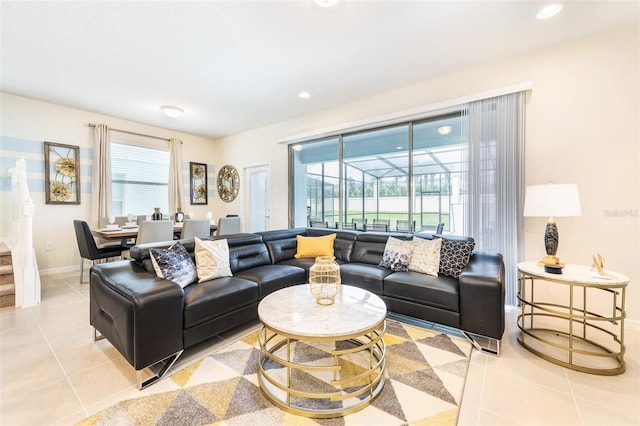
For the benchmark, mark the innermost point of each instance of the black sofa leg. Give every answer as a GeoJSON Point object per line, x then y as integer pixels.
{"type": "Point", "coordinates": [488, 348]}
{"type": "Point", "coordinates": [159, 369]}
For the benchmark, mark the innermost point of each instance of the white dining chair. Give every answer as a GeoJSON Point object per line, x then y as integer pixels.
{"type": "Point", "coordinates": [229, 225]}
{"type": "Point", "coordinates": [191, 228]}
{"type": "Point", "coordinates": [152, 231]}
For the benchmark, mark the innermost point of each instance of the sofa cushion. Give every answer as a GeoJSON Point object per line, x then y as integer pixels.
{"type": "Point", "coordinates": [174, 264]}
{"type": "Point", "coordinates": [314, 246]}
{"type": "Point", "coordinates": [396, 255]}
{"type": "Point", "coordinates": [425, 255]}
{"type": "Point", "coordinates": [212, 259]}
{"type": "Point", "coordinates": [368, 277]}
{"type": "Point", "coordinates": [213, 298]}
{"type": "Point", "coordinates": [274, 277]}
{"type": "Point", "coordinates": [281, 243]}
{"type": "Point", "coordinates": [248, 256]}
{"type": "Point", "coordinates": [440, 292]}
{"type": "Point", "coordinates": [454, 256]}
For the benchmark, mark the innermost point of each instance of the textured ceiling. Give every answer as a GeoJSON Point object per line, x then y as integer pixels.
{"type": "Point", "coordinates": [237, 65]}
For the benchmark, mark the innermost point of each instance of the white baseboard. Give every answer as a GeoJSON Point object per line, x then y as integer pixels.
{"type": "Point", "coordinates": [61, 270]}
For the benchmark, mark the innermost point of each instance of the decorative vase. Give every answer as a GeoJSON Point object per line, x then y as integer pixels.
{"type": "Point", "coordinates": [156, 214]}
{"type": "Point", "coordinates": [324, 280]}
{"type": "Point", "coordinates": [179, 216]}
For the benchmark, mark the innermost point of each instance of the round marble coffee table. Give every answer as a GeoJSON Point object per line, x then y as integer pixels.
{"type": "Point", "coordinates": [321, 360]}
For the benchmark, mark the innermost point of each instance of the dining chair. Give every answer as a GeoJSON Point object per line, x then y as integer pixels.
{"type": "Point", "coordinates": [436, 229]}
{"type": "Point", "coordinates": [360, 224]}
{"type": "Point", "coordinates": [378, 227]}
{"type": "Point", "coordinates": [152, 231]}
{"type": "Point", "coordinates": [402, 225]}
{"type": "Point", "coordinates": [191, 228]}
{"type": "Point", "coordinates": [382, 222]}
{"type": "Point", "coordinates": [228, 225]}
{"type": "Point", "coordinates": [89, 249]}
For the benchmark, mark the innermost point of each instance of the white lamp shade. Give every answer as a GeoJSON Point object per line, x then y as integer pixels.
{"type": "Point", "coordinates": [552, 200]}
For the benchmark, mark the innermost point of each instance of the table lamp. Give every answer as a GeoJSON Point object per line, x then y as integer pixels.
{"type": "Point", "coordinates": [552, 200]}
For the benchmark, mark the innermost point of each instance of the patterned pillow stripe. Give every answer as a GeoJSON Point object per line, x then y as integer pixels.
{"type": "Point", "coordinates": [174, 264]}
{"type": "Point", "coordinates": [454, 256]}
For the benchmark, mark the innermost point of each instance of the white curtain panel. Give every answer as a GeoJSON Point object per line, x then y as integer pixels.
{"type": "Point", "coordinates": [175, 176]}
{"type": "Point", "coordinates": [493, 141]}
{"type": "Point", "coordinates": [101, 178]}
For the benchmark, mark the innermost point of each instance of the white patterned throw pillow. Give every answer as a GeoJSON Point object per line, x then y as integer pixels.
{"type": "Point", "coordinates": [212, 259]}
{"type": "Point", "coordinates": [425, 257]}
{"type": "Point", "coordinates": [174, 264]}
{"type": "Point", "coordinates": [397, 255]}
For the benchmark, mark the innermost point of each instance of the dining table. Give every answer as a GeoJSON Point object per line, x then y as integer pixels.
{"type": "Point", "coordinates": [124, 233]}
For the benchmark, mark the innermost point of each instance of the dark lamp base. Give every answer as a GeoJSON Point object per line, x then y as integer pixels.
{"type": "Point", "coordinates": [553, 269]}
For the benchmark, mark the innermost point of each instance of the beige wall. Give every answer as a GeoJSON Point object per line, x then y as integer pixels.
{"type": "Point", "coordinates": [33, 120]}
{"type": "Point", "coordinates": [582, 127]}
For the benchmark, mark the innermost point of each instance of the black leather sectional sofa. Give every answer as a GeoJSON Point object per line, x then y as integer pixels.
{"type": "Point", "coordinates": [151, 320]}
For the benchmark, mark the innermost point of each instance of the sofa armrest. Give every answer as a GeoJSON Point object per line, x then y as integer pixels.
{"type": "Point", "coordinates": [139, 313]}
{"type": "Point", "coordinates": [482, 290]}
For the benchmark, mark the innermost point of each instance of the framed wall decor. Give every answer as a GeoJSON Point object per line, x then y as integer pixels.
{"type": "Point", "coordinates": [198, 183]}
{"type": "Point", "coordinates": [61, 173]}
{"type": "Point", "coordinates": [228, 183]}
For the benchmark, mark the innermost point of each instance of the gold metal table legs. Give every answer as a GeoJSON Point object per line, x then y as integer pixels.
{"type": "Point", "coordinates": [320, 377]}
{"type": "Point", "coordinates": [584, 334]}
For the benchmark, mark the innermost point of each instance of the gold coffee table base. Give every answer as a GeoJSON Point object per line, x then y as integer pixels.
{"type": "Point", "coordinates": [338, 388]}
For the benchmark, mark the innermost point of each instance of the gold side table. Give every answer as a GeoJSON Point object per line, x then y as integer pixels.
{"type": "Point", "coordinates": [574, 319]}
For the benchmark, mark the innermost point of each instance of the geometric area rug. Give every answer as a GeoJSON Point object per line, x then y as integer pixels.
{"type": "Point", "coordinates": [426, 372]}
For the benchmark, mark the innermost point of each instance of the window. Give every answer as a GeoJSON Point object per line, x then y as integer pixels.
{"type": "Point", "coordinates": [380, 169]}
{"type": "Point", "coordinates": [462, 168]}
{"type": "Point", "coordinates": [139, 179]}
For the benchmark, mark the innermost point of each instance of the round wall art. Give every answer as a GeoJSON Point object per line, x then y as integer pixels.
{"type": "Point", "coordinates": [228, 183]}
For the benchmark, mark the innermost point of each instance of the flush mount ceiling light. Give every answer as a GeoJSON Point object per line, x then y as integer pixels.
{"type": "Point", "coordinates": [171, 111]}
{"type": "Point", "coordinates": [304, 95]}
{"type": "Point", "coordinates": [444, 130]}
{"type": "Point", "coordinates": [549, 11]}
{"type": "Point", "coordinates": [326, 3]}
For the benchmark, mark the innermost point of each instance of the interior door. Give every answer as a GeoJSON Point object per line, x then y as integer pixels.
{"type": "Point", "coordinates": [257, 178]}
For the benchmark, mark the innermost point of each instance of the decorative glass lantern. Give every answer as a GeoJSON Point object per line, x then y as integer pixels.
{"type": "Point", "coordinates": [324, 279]}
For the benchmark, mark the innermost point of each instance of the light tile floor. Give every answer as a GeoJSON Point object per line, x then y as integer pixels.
{"type": "Point", "coordinates": [52, 372]}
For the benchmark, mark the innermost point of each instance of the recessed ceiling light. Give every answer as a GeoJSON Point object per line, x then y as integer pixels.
{"type": "Point", "coordinates": [444, 130]}
{"type": "Point", "coordinates": [549, 11]}
{"type": "Point", "coordinates": [172, 111]}
{"type": "Point", "coordinates": [326, 3]}
{"type": "Point", "coordinates": [304, 95]}
{"type": "Point", "coordinates": [297, 147]}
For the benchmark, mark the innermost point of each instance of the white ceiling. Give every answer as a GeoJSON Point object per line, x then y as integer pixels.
{"type": "Point", "coordinates": [238, 65]}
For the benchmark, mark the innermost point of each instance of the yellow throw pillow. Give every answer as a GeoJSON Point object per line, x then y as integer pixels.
{"type": "Point", "coordinates": [315, 246]}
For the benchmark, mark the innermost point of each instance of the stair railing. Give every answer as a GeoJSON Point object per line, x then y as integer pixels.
{"type": "Point", "coordinates": [25, 268]}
